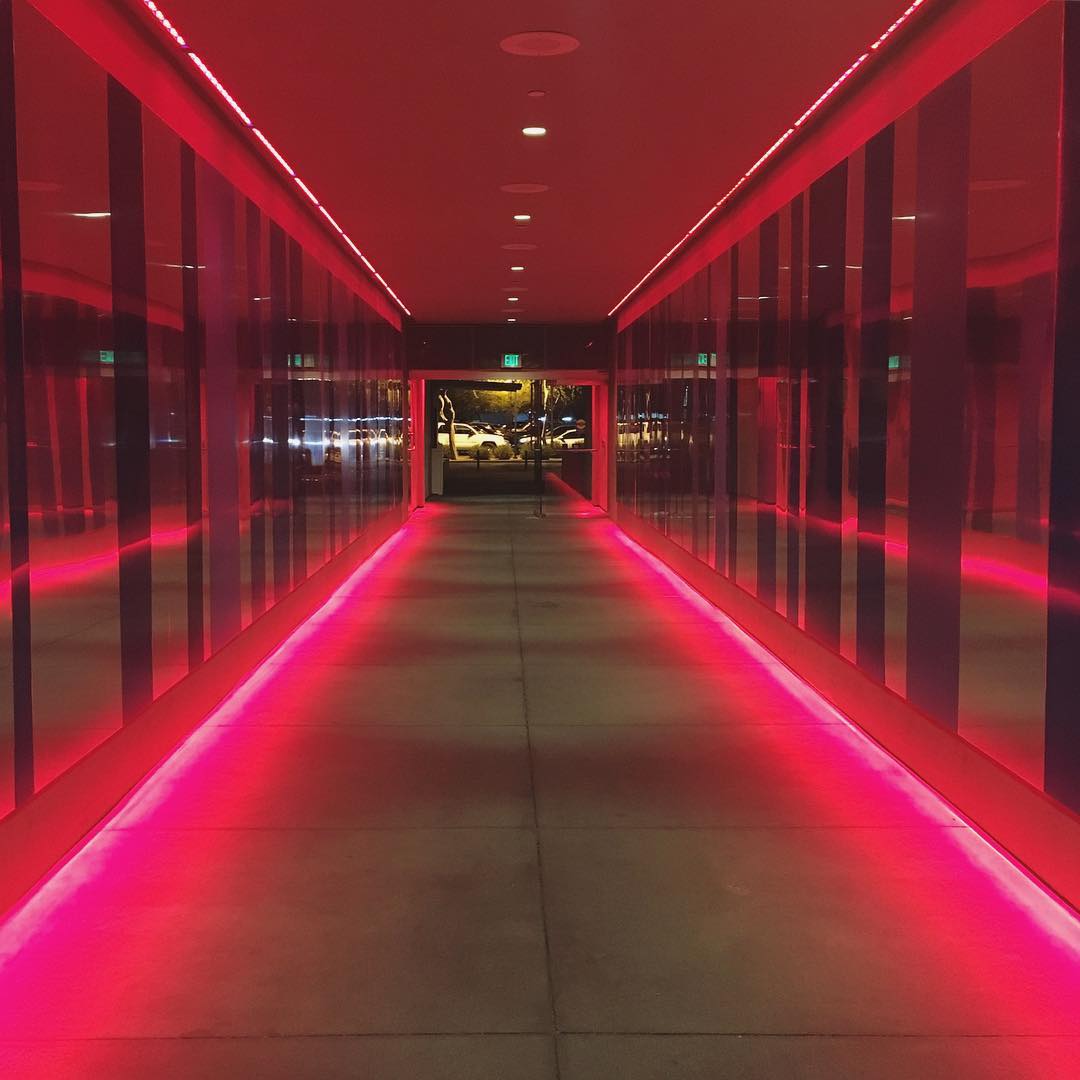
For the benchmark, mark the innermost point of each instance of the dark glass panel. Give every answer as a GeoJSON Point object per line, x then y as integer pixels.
{"type": "Point", "coordinates": [69, 394]}
{"type": "Point", "coordinates": [165, 271]}
{"type": "Point", "coordinates": [1015, 114]}
{"type": "Point", "coordinates": [743, 406]}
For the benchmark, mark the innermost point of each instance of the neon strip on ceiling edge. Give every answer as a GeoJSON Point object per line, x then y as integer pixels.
{"type": "Point", "coordinates": [781, 141]}
{"type": "Point", "coordinates": [165, 23]}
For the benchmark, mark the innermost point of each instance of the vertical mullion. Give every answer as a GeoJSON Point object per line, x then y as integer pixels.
{"type": "Point", "coordinates": [825, 404]}
{"type": "Point", "coordinates": [1062, 751]}
{"type": "Point", "coordinates": [193, 353]}
{"type": "Point", "coordinates": [15, 409]}
{"type": "Point", "coordinates": [938, 355]}
{"type": "Point", "coordinates": [796, 368]}
{"type": "Point", "coordinates": [873, 404]}
{"type": "Point", "coordinates": [131, 385]}
{"type": "Point", "coordinates": [768, 319]}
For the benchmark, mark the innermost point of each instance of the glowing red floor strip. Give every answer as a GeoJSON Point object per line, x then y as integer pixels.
{"type": "Point", "coordinates": [88, 860]}
{"type": "Point", "coordinates": [1045, 912]}
{"type": "Point", "coordinates": [1027, 892]}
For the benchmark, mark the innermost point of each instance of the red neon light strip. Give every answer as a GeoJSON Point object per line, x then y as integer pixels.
{"type": "Point", "coordinates": [229, 100]}
{"type": "Point", "coordinates": [822, 98]}
{"type": "Point", "coordinates": [1048, 910]}
{"type": "Point", "coordinates": [45, 902]}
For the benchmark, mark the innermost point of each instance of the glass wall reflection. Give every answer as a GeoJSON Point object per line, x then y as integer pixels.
{"type": "Point", "coordinates": [806, 373]}
{"type": "Point", "coordinates": [211, 414]}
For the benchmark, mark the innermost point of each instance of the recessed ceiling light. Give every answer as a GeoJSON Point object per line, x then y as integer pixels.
{"type": "Point", "coordinates": [522, 219]}
{"type": "Point", "coordinates": [512, 299]}
{"type": "Point", "coordinates": [537, 93]}
{"type": "Point", "coordinates": [539, 43]}
{"type": "Point", "coordinates": [534, 131]}
{"type": "Point", "coordinates": [511, 320]}
{"type": "Point", "coordinates": [523, 189]}
{"type": "Point", "coordinates": [517, 269]}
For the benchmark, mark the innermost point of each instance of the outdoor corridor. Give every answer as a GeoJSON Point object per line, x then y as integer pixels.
{"type": "Point", "coordinates": [516, 805]}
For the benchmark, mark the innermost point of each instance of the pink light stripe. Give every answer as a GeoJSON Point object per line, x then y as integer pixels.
{"type": "Point", "coordinates": [273, 150]}
{"type": "Point", "coordinates": [761, 161]}
{"type": "Point", "coordinates": [1029, 894]}
{"type": "Point", "coordinates": [89, 859]}
{"type": "Point", "coordinates": [211, 78]}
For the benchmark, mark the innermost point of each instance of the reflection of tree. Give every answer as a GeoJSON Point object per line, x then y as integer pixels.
{"type": "Point", "coordinates": [446, 416]}
{"type": "Point", "coordinates": [552, 396]}
{"type": "Point", "coordinates": [555, 394]}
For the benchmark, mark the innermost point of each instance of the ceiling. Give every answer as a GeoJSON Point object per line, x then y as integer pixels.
{"type": "Point", "coordinates": [405, 118]}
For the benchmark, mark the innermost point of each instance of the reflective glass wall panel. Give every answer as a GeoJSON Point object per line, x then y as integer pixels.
{"type": "Point", "coordinates": [865, 378]}
{"type": "Point", "coordinates": [211, 415]}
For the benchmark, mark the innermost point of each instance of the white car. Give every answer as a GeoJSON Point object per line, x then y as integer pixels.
{"type": "Point", "coordinates": [571, 438]}
{"type": "Point", "coordinates": [466, 437]}
{"type": "Point", "coordinates": [559, 438]}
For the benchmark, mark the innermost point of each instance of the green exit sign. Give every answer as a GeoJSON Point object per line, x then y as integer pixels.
{"type": "Point", "coordinates": [511, 359]}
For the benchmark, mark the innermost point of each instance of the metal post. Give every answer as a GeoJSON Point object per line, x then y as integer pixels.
{"type": "Point", "coordinates": [538, 464]}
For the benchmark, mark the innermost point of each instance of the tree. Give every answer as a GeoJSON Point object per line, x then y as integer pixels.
{"type": "Point", "coordinates": [446, 416]}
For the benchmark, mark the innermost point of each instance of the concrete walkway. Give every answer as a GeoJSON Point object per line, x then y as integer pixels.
{"type": "Point", "coordinates": [518, 808]}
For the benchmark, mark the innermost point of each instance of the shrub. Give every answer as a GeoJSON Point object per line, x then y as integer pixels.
{"type": "Point", "coordinates": [504, 453]}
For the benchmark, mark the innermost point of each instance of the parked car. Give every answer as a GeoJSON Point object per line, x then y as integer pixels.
{"type": "Point", "coordinates": [562, 436]}
{"type": "Point", "coordinates": [571, 438]}
{"type": "Point", "coordinates": [467, 437]}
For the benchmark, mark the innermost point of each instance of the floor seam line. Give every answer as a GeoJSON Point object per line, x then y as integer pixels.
{"type": "Point", "coordinates": [535, 809]}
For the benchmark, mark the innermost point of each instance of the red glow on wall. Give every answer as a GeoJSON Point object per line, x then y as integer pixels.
{"type": "Point", "coordinates": [246, 120]}
{"type": "Point", "coordinates": [983, 567]}
{"type": "Point", "coordinates": [63, 572]}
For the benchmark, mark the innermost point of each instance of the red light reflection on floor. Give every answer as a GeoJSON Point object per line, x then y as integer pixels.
{"type": "Point", "coordinates": [46, 910]}
{"type": "Point", "coordinates": [1049, 914]}
{"type": "Point", "coordinates": [1032, 981]}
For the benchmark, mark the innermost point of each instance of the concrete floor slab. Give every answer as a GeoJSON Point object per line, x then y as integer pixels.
{"type": "Point", "coordinates": [459, 695]}
{"type": "Point", "coordinates": [433, 1057]}
{"type": "Point", "coordinates": [706, 775]}
{"type": "Point", "coordinates": [610, 693]}
{"type": "Point", "coordinates": [329, 776]}
{"type": "Point", "coordinates": [260, 932]}
{"type": "Point", "coordinates": [742, 1057]}
{"type": "Point", "coordinates": [869, 931]}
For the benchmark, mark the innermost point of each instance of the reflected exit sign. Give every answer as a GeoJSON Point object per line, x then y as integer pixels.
{"type": "Point", "coordinates": [511, 359]}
